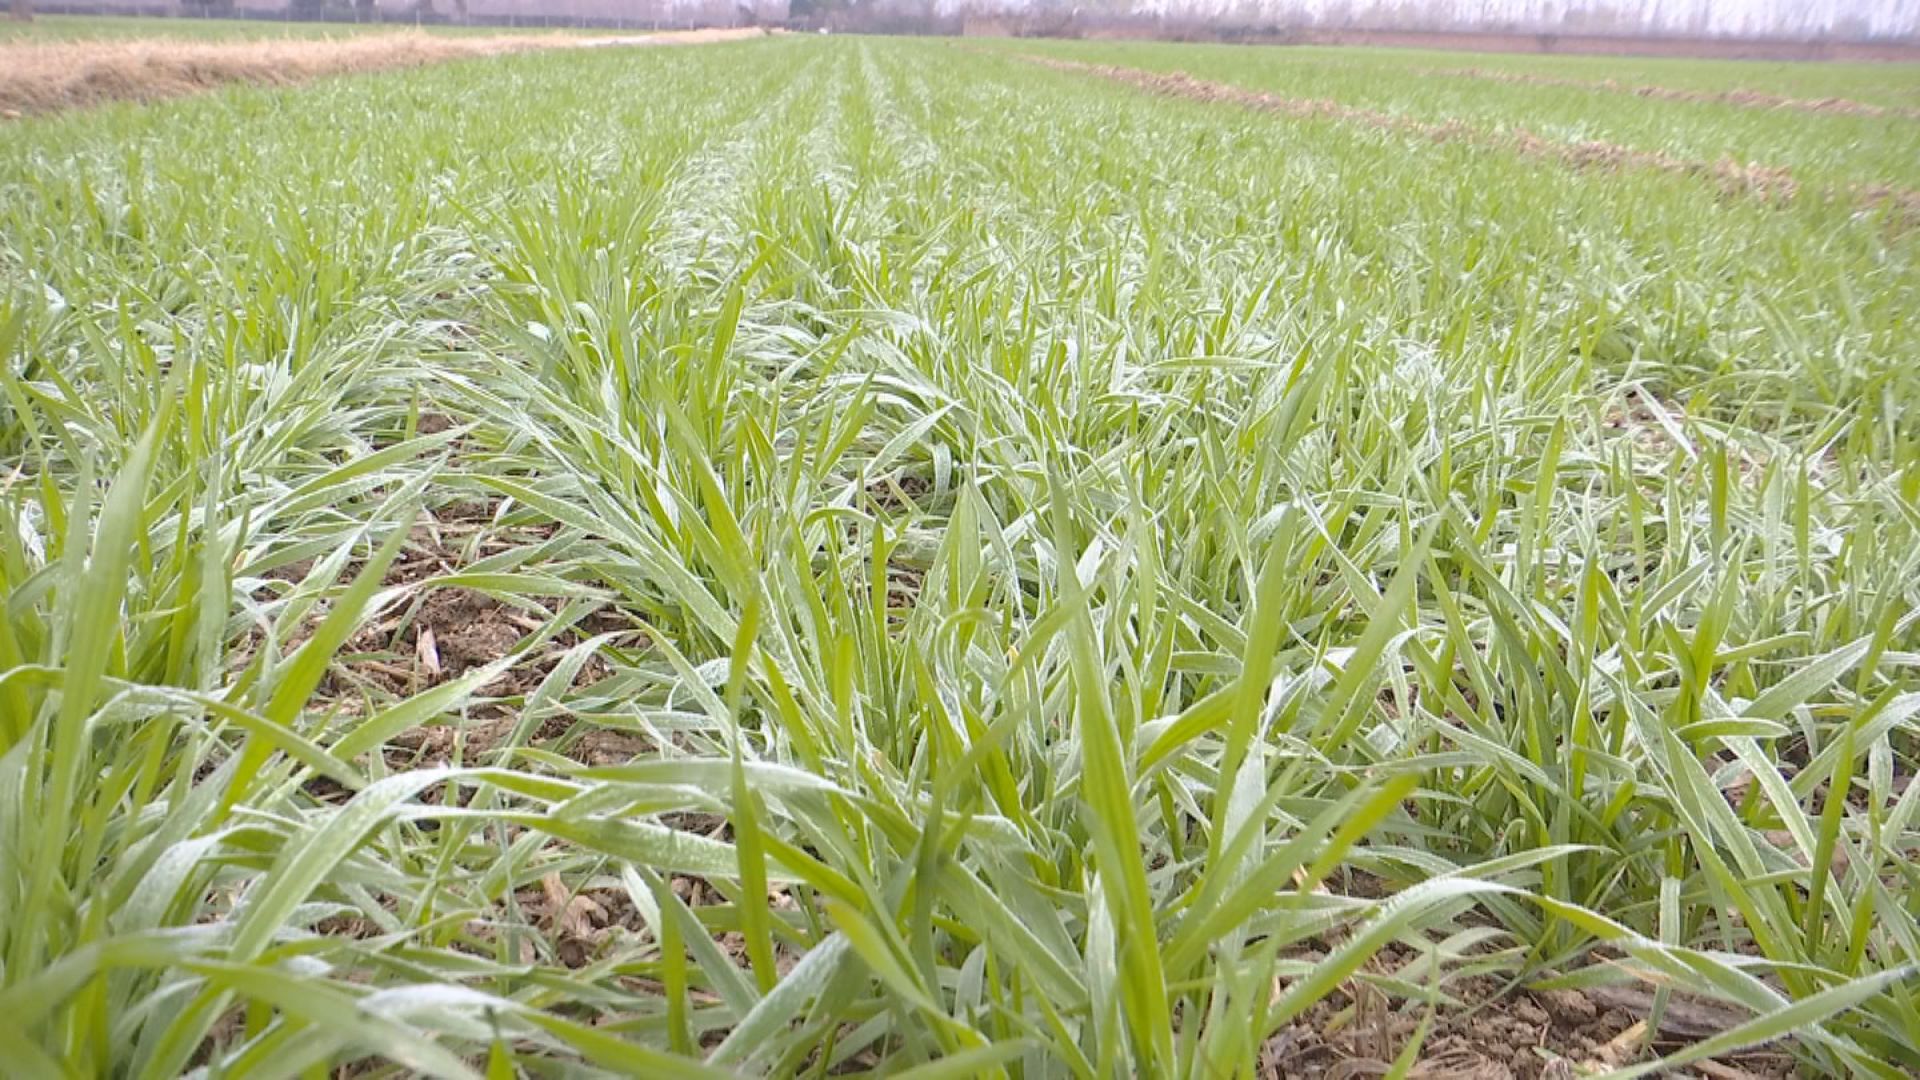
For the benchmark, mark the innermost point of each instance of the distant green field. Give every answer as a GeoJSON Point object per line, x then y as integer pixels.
{"type": "Point", "coordinates": [829, 555]}
{"type": "Point", "coordinates": [112, 28]}
{"type": "Point", "coordinates": [1879, 83]}
{"type": "Point", "coordinates": [1829, 146]}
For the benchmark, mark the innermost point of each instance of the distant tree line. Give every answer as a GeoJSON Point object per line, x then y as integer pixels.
{"type": "Point", "coordinates": [1788, 20]}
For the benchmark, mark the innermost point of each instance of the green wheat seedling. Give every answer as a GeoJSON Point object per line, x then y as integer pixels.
{"type": "Point", "coordinates": [825, 556]}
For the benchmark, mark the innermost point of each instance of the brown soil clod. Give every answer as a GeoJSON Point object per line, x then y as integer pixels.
{"type": "Point", "coordinates": [439, 632]}
{"type": "Point", "coordinates": [1684, 1017]}
{"type": "Point", "coordinates": [1648, 424]}
{"type": "Point", "coordinates": [577, 925]}
{"type": "Point", "coordinates": [1358, 1032]}
{"type": "Point", "coordinates": [896, 494]}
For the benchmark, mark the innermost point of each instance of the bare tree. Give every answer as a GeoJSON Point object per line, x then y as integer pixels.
{"type": "Point", "coordinates": [22, 10]}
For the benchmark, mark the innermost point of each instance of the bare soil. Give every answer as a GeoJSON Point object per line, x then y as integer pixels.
{"type": "Point", "coordinates": [1502, 1033]}
{"type": "Point", "coordinates": [43, 77]}
{"type": "Point", "coordinates": [442, 632]}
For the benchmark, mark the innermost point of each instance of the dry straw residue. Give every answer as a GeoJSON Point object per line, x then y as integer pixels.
{"type": "Point", "coordinates": [46, 77]}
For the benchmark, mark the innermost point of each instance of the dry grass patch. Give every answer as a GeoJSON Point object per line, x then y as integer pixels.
{"type": "Point", "coordinates": [48, 77]}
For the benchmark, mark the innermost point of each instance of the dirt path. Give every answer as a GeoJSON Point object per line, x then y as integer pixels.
{"type": "Point", "coordinates": [1752, 99]}
{"type": "Point", "coordinates": [1770, 183]}
{"type": "Point", "coordinates": [48, 77]}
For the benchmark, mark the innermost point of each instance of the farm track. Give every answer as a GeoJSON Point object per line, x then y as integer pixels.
{"type": "Point", "coordinates": [1747, 179]}
{"type": "Point", "coordinates": [1752, 99]}
{"type": "Point", "coordinates": [41, 78]}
